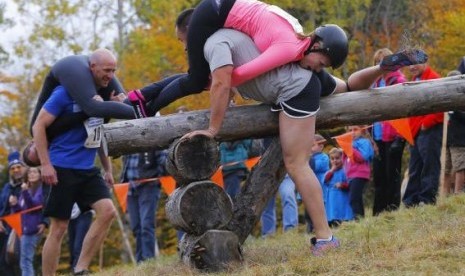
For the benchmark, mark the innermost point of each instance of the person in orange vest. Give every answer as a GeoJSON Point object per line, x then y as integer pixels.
{"type": "Point", "coordinates": [424, 164]}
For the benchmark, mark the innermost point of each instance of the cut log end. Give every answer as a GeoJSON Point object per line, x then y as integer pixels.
{"type": "Point", "coordinates": [216, 250]}
{"type": "Point", "coordinates": [199, 207]}
{"type": "Point", "coordinates": [193, 159]}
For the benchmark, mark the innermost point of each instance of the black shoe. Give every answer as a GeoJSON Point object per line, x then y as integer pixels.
{"type": "Point", "coordinates": [403, 58]}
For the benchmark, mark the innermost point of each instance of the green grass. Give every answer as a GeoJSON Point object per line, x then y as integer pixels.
{"type": "Point", "coordinates": [428, 240]}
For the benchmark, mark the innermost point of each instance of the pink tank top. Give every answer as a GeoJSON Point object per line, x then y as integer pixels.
{"type": "Point", "coordinates": [273, 35]}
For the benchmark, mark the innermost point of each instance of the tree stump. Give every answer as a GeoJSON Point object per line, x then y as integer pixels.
{"type": "Point", "coordinates": [216, 250]}
{"type": "Point", "coordinates": [199, 207]}
{"type": "Point", "coordinates": [193, 159]}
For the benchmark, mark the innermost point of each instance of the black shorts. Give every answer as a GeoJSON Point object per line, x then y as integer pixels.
{"type": "Point", "coordinates": [85, 187]}
{"type": "Point", "coordinates": [305, 104]}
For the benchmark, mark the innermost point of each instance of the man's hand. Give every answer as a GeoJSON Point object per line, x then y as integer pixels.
{"type": "Point", "coordinates": [41, 228]}
{"type": "Point", "coordinates": [108, 177]}
{"type": "Point", "coordinates": [118, 98]}
{"type": "Point", "coordinates": [49, 175]}
{"type": "Point", "coordinates": [24, 186]}
{"type": "Point", "coordinates": [2, 228]}
{"type": "Point", "coordinates": [13, 200]}
{"type": "Point", "coordinates": [97, 98]}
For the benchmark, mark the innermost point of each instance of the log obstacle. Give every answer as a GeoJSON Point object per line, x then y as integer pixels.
{"type": "Point", "coordinates": [256, 121]}
{"type": "Point", "coordinates": [199, 207]}
{"type": "Point", "coordinates": [191, 160]}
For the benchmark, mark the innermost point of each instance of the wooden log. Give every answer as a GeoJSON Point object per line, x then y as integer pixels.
{"type": "Point", "coordinates": [360, 107]}
{"type": "Point", "coordinates": [193, 159]}
{"type": "Point", "coordinates": [199, 207]}
{"type": "Point", "coordinates": [212, 251]}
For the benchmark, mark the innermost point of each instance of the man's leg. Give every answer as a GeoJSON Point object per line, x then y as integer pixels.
{"type": "Point", "coordinates": [105, 213]}
{"type": "Point", "coordinates": [134, 220]}
{"type": "Point", "coordinates": [148, 198]}
{"type": "Point", "coordinates": [413, 186]}
{"type": "Point", "coordinates": [52, 247]}
{"type": "Point", "coordinates": [289, 204]}
{"type": "Point", "coordinates": [268, 218]}
{"type": "Point", "coordinates": [430, 150]}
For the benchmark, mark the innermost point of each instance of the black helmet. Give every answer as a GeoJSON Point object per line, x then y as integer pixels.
{"type": "Point", "coordinates": [333, 42]}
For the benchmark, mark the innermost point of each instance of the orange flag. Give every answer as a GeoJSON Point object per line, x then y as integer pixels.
{"type": "Point", "coordinates": [218, 177]}
{"type": "Point", "coordinates": [168, 184]}
{"type": "Point", "coordinates": [402, 127]}
{"type": "Point", "coordinates": [251, 162]}
{"type": "Point", "coordinates": [14, 220]}
{"type": "Point", "coordinates": [121, 192]}
{"type": "Point", "coordinates": [345, 142]}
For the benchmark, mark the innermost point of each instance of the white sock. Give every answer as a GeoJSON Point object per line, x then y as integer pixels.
{"type": "Point", "coordinates": [327, 240]}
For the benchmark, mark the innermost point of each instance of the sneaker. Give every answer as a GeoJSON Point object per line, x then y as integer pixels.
{"type": "Point", "coordinates": [320, 247]}
{"type": "Point", "coordinates": [403, 58]}
{"type": "Point", "coordinates": [137, 101]}
{"type": "Point", "coordinates": [82, 272]}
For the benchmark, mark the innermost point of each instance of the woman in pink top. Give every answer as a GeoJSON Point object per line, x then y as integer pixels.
{"type": "Point", "coordinates": [277, 34]}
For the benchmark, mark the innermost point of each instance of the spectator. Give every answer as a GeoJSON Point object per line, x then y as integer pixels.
{"type": "Point", "coordinates": [337, 200]}
{"type": "Point", "coordinates": [358, 168]}
{"type": "Point", "coordinates": [425, 153]}
{"type": "Point", "coordinates": [455, 150]}
{"type": "Point", "coordinates": [387, 163]}
{"type": "Point", "coordinates": [33, 223]}
{"type": "Point", "coordinates": [143, 196]}
{"type": "Point", "coordinates": [8, 198]}
{"type": "Point", "coordinates": [289, 207]}
{"type": "Point", "coordinates": [78, 226]}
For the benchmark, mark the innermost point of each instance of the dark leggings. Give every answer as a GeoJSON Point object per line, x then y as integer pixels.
{"type": "Point", "coordinates": [205, 21]}
{"type": "Point", "coordinates": [74, 74]}
{"type": "Point", "coordinates": [356, 187]}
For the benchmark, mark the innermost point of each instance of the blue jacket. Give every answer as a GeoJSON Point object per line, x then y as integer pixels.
{"type": "Point", "coordinates": [31, 220]}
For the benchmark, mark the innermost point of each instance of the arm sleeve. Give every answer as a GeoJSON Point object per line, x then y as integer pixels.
{"type": "Point", "coordinates": [270, 59]}
{"type": "Point", "coordinates": [76, 77]}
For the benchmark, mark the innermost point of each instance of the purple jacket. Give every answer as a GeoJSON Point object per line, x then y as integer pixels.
{"type": "Point", "coordinates": [31, 220]}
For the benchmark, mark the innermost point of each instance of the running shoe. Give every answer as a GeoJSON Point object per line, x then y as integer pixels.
{"type": "Point", "coordinates": [403, 58]}
{"type": "Point", "coordinates": [318, 248]}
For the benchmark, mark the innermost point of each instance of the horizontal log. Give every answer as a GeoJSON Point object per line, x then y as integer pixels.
{"type": "Point", "coordinates": [256, 121]}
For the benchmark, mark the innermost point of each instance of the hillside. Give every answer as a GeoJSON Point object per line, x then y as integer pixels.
{"type": "Point", "coordinates": [428, 240]}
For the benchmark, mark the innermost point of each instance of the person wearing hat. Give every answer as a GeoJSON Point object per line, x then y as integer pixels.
{"type": "Point", "coordinates": [8, 198]}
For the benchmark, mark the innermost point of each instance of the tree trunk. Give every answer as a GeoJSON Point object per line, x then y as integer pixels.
{"type": "Point", "coordinates": [255, 121]}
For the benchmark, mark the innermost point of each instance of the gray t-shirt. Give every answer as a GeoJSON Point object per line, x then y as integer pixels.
{"type": "Point", "coordinates": [231, 47]}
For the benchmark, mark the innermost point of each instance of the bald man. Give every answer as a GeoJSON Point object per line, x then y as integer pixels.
{"type": "Point", "coordinates": [68, 164]}
{"type": "Point", "coordinates": [77, 74]}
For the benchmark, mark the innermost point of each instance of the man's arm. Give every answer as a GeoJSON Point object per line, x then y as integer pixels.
{"type": "Point", "coordinates": [106, 164]}
{"type": "Point", "coordinates": [44, 119]}
{"type": "Point", "coordinates": [219, 100]}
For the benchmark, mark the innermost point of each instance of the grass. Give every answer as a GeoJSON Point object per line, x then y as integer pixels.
{"type": "Point", "coordinates": [428, 240]}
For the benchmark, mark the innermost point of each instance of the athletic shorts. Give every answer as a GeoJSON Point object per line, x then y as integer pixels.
{"type": "Point", "coordinates": [305, 104]}
{"type": "Point", "coordinates": [85, 187]}
{"type": "Point", "coordinates": [455, 159]}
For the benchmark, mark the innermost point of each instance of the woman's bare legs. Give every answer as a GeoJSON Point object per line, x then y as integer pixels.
{"type": "Point", "coordinates": [296, 136]}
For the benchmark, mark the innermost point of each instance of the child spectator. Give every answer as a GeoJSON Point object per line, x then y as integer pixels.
{"type": "Point", "coordinates": [337, 201]}
{"type": "Point", "coordinates": [33, 223]}
{"type": "Point", "coordinates": [358, 168]}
